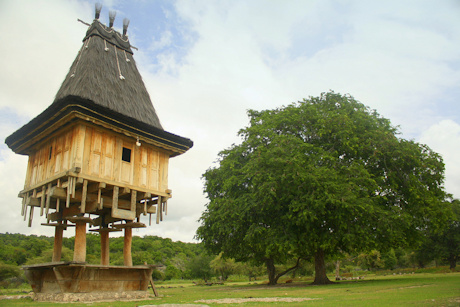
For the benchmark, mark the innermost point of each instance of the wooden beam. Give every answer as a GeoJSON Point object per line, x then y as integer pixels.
{"type": "Point", "coordinates": [33, 201]}
{"type": "Point", "coordinates": [106, 200]}
{"type": "Point", "coordinates": [123, 214]}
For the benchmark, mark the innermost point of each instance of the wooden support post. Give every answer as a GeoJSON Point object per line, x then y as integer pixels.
{"type": "Point", "coordinates": [42, 202]}
{"type": "Point", "coordinates": [57, 248]}
{"type": "Point", "coordinates": [79, 254]}
{"type": "Point", "coordinates": [158, 209]}
{"type": "Point", "coordinates": [161, 210]}
{"type": "Point", "coordinates": [48, 199]}
{"type": "Point", "coordinates": [153, 286]}
{"type": "Point", "coordinates": [133, 200]}
{"type": "Point", "coordinates": [83, 196]}
{"type": "Point", "coordinates": [115, 197]}
{"type": "Point", "coordinates": [100, 200]}
{"type": "Point", "coordinates": [105, 251]}
{"type": "Point", "coordinates": [69, 191]}
{"type": "Point", "coordinates": [31, 215]}
{"type": "Point", "coordinates": [58, 201]}
{"type": "Point", "coordinates": [128, 260]}
{"type": "Point", "coordinates": [23, 211]}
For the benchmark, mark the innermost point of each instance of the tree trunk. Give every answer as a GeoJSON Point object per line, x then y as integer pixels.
{"type": "Point", "coordinates": [320, 269]}
{"type": "Point", "coordinates": [337, 270]}
{"type": "Point", "coordinates": [271, 271]}
{"type": "Point", "coordinates": [452, 262]}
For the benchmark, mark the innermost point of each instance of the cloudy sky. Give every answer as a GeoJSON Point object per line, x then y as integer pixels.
{"type": "Point", "coordinates": [206, 62]}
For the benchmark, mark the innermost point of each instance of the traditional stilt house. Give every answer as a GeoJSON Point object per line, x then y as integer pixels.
{"type": "Point", "coordinates": [98, 156]}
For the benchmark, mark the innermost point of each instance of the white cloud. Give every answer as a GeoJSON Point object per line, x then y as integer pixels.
{"type": "Point", "coordinates": [444, 138]}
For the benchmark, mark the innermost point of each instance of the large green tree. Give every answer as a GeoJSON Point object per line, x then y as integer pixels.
{"type": "Point", "coordinates": [317, 178]}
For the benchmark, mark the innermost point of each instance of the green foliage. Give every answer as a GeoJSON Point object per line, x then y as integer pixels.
{"type": "Point", "coordinates": [319, 178]}
{"type": "Point", "coordinates": [223, 267]}
{"type": "Point", "coordinates": [199, 267]}
{"type": "Point", "coordinates": [371, 260]}
{"type": "Point", "coordinates": [389, 259]}
{"type": "Point", "coordinates": [8, 271]}
{"type": "Point", "coordinates": [443, 244]}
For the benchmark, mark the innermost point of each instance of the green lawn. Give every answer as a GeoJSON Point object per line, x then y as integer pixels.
{"type": "Point", "coordinates": [394, 290]}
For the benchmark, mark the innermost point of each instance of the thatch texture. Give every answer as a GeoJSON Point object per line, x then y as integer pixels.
{"type": "Point", "coordinates": [97, 75]}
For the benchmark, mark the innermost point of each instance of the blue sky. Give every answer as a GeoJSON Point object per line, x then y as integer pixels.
{"type": "Point", "coordinates": [206, 62]}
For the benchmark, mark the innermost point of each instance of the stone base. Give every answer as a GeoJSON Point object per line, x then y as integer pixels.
{"type": "Point", "coordinates": [73, 281]}
{"type": "Point", "coordinates": [91, 297]}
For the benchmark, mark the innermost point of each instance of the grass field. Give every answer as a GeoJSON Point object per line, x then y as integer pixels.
{"type": "Point", "coordinates": [441, 289]}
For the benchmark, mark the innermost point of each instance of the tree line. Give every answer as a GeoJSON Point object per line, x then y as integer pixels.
{"type": "Point", "coordinates": [178, 260]}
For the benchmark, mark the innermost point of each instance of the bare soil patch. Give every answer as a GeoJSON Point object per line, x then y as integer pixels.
{"type": "Point", "coordinates": [256, 299]}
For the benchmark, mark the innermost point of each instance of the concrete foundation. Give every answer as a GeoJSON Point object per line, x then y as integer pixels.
{"type": "Point", "coordinates": [60, 278]}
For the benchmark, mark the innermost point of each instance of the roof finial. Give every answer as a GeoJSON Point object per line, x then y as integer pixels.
{"type": "Point", "coordinates": [98, 10]}
{"type": "Point", "coordinates": [112, 15]}
{"type": "Point", "coordinates": [125, 26]}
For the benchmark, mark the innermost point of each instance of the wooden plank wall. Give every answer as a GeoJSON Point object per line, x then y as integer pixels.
{"type": "Point", "coordinates": [99, 154]}
{"type": "Point", "coordinates": [50, 159]}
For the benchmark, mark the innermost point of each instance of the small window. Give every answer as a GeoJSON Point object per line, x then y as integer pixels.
{"type": "Point", "coordinates": [51, 153]}
{"type": "Point", "coordinates": [126, 155]}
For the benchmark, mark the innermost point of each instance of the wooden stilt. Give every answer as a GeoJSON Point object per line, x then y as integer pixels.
{"type": "Point", "coordinates": [83, 196]}
{"type": "Point", "coordinates": [42, 202]}
{"type": "Point", "coordinates": [31, 215]}
{"type": "Point", "coordinates": [25, 213]}
{"type": "Point", "coordinates": [115, 197]}
{"type": "Point", "coordinates": [128, 260]}
{"type": "Point", "coordinates": [79, 254]}
{"type": "Point", "coordinates": [48, 199]}
{"type": "Point", "coordinates": [57, 248]}
{"type": "Point", "coordinates": [133, 200]}
{"type": "Point", "coordinates": [58, 201]}
{"type": "Point", "coordinates": [158, 209]}
{"type": "Point", "coordinates": [23, 210]}
{"type": "Point", "coordinates": [105, 250]}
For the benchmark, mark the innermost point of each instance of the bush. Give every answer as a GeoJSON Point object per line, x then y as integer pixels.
{"type": "Point", "coordinates": [8, 271]}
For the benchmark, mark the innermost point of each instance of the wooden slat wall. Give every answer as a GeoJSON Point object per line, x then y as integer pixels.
{"type": "Point", "coordinates": [99, 153]}
{"type": "Point", "coordinates": [43, 164]}
{"type": "Point", "coordinates": [148, 168]}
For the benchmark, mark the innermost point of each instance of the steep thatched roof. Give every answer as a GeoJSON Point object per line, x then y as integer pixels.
{"type": "Point", "coordinates": [104, 83]}
{"type": "Point", "coordinates": [105, 73]}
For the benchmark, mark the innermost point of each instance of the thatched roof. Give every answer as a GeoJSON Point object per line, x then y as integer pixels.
{"type": "Point", "coordinates": [104, 81]}
{"type": "Point", "coordinates": [98, 71]}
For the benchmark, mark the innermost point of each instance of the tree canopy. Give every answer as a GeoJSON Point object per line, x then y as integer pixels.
{"type": "Point", "coordinates": [317, 178]}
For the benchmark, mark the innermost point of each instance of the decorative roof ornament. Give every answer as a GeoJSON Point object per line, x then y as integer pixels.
{"type": "Point", "coordinates": [112, 15]}
{"type": "Point", "coordinates": [125, 26]}
{"type": "Point", "coordinates": [98, 10]}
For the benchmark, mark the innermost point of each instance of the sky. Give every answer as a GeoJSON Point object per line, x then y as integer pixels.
{"type": "Point", "coordinates": [205, 63]}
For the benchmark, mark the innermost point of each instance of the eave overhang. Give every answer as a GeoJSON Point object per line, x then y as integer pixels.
{"type": "Point", "coordinates": [72, 108]}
